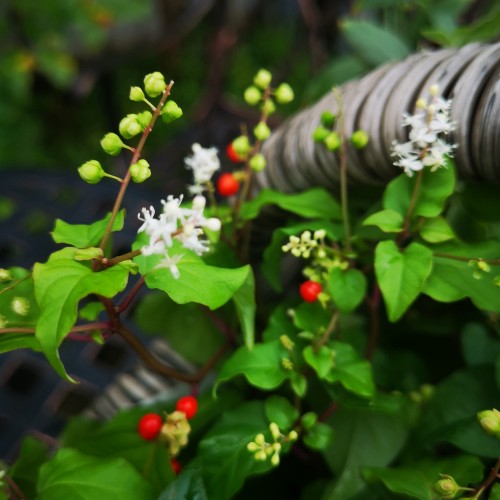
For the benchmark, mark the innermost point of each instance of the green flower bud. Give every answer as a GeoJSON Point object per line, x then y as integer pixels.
{"type": "Point", "coordinates": [252, 95]}
{"type": "Point", "coordinates": [268, 107]}
{"type": "Point", "coordinates": [136, 94]}
{"type": "Point", "coordinates": [258, 162]}
{"type": "Point", "coordinates": [144, 119]}
{"type": "Point", "coordinates": [490, 421]}
{"type": "Point", "coordinates": [91, 172]}
{"type": "Point", "coordinates": [241, 146]}
{"type": "Point", "coordinates": [154, 84]}
{"type": "Point", "coordinates": [284, 93]}
{"type": "Point", "coordinates": [263, 78]}
{"type": "Point", "coordinates": [262, 131]}
{"type": "Point", "coordinates": [20, 305]}
{"type": "Point", "coordinates": [140, 171]}
{"type": "Point", "coordinates": [446, 487]}
{"type": "Point", "coordinates": [129, 126]}
{"type": "Point", "coordinates": [359, 139]}
{"type": "Point", "coordinates": [170, 112]}
{"type": "Point", "coordinates": [5, 275]}
{"type": "Point", "coordinates": [111, 144]}
{"type": "Point", "coordinates": [327, 119]}
{"type": "Point", "coordinates": [320, 134]}
{"type": "Point", "coordinates": [332, 141]}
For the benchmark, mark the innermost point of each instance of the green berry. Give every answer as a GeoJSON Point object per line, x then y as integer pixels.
{"type": "Point", "coordinates": [111, 144]}
{"type": "Point", "coordinates": [320, 134]}
{"type": "Point", "coordinates": [262, 131]}
{"type": "Point", "coordinates": [327, 119]}
{"type": "Point", "coordinates": [332, 141]}
{"type": "Point", "coordinates": [241, 146]}
{"type": "Point", "coordinates": [258, 162]}
{"type": "Point", "coordinates": [252, 95]}
{"type": "Point", "coordinates": [284, 93]}
{"type": "Point", "coordinates": [144, 119]}
{"type": "Point", "coordinates": [446, 487]}
{"type": "Point", "coordinates": [262, 79]}
{"type": "Point", "coordinates": [91, 171]}
{"type": "Point", "coordinates": [140, 171]}
{"type": "Point", "coordinates": [359, 139]}
{"type": "Point", "coordinates": [309, 420]}
{"type": "Point", "coordinates": [171, 111]}
{"type": "Point", "coordinates": [129, 126]}
{"type": "Point", "coordinates": [490, 421]}
{"type": "Point", "coordinates": [154, 84]}
{"type": "Point", "coordinates": [268, 107]}
{"type": "Point", "coordinates": [136, 94]}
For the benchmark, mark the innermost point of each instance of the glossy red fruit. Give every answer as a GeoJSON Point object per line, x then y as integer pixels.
{"type": "Point", "coordinates": [309, 290]}
{"type": "Point", "coordinates": [188, 405]}
{"type": "Point", "coordinates": [232, 154]}
{"type": "Point", "coordinates": [227, 185]}
{"type": "Point", "coordinates": [149, 426]}
{"type": "Point", "coordinates": [176, 465]}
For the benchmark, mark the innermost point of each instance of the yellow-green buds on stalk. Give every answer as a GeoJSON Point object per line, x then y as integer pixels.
{"type": "Point", "coordinates": [332, 141]}
{"type": "Point", "coordinates": [359, 139]}
{"type": "Point", "coordinates": [130, 126]}
{"type": "Point", "coordinates": [262, 131]}
{"type": "Point", "coordinates": [284, 93]}
{"type": "Point", "coordinates": [241, 146]}
{"type": "Point", "coordinates": [144, 119]}
{"type": "Point", "coordinates": [5, 275]}
{"type": "Point", "coordinates": [258, 162]}
{"type": "Point", "coordinates": [262, 79]}
{"type": "Point", "coordinates": [447, 488]}
{"type": "Point", "coordinates": [262, 450]}
{"type": "Point", "coordinates": [136, 94]}
{"type": "Point", "coordinates": [170, 112]}
{"type": "Point", "coordinates": [490, 421]}
{"type": "Point", "coordinates": [175, 432]}
{"type": "Point", "coordinates": [20, 305]}
{"type": "Point", "coordinates": [268, 107]}
{"type": "Point", "coordinates": [252, 95]}
{"type": "Point", "coordinates": [140, 171]}
{"type": "Point", "coordinates": [91, 171]}
{"type": "Point", "coordinates": [112, 144]}
{"type": "Point", "coordinates": [154, 84]}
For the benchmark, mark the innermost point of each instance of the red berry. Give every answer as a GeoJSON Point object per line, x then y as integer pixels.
{"type": "Point", "coordinates": [149, 426]}
{"type": "Point", "coordinates": [187, 405]}
{"type": "Point", "coordinates": [176, 465]}
{"type": "Point", "coordinates": [227, 185]}
{"type": "Point", "coordinates": [232, 154]}
{"type": "Point", "coordinates": [309, 290]}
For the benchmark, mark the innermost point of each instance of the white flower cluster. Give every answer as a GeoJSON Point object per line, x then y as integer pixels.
{"type": "Point", "coordinates": [203, 162]}
{"type": "Point", "coordinates": [426, 148]}
{"type": "Point", "coordinates": [179, 223]}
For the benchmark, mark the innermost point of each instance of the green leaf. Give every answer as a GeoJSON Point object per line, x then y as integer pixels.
{"type": "Point", "coordinates": [85, 235]}
{"type": "Point", "coordinates": [189, 484]}
{"type": "Point", "coordinates": [315, 203]}
{"type": "Point", "coordinates": [479, 347]}
{"type": "Point", "coordinates": [71, 474]}
{"type": "Point", "coordinates": [298, 383]}
{"type": "Point", "coordinates": [261, 366]}
{"type": "Point", "coordinates": [273, 254]}
{"type": "Point", "coordinates": [59, 286]}
{"type": "Point", "coordinates": [453, 280]}
{"type": "Point", "coordinates": [495, 492]}
{"type": "Point", "coordinates": [318, 437]}
{"type": "Point", "coordinates": [401, 275]}
{"type": "Point", "coordinates": [436, 230]}
{"type": "Point", "coordinates": [416, 481]}
{"type": "Point", "coordinates": [226, 462]}
{"type": "Point", "coordinates": [435, 189]}
{"type": "Point", "coordinates": [244, 301]}
{"type": "Point", "coordinates": [373, 43]}
{"type": "Point", "coordinates": [198, 282]}
{"type": "Point", "coordinates": [311, 316]}
{"type": "Point", "coordinates": [13, 341]}
{"type": "Point", "coordinates": [356, 377]}
{"type": "Point", "coordinates": [278, 409]}
{"type": "Point", "coordinates": [24, 472]}
{"type": "Point", "coordinates": [321, 360]}
{"type": "Point", "coordinates": [387, 220]}
{"type": "Point", "coordinates": [347, 288]}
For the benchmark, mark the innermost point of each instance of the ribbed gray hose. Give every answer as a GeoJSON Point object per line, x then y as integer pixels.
{"type": "Point", "coordinates": [376, 103]}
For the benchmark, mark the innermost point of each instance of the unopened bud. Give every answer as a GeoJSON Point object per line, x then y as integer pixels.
{"type": "Point", "coordinates": [262, 131]}
{"type": "Point", "coordinates": [241, 145]}
{"type": "Point", "coordinates": [20, 305]}
{"type": "Point", "coordinates": [5, 275]}
{"type": "Point", "coordinates": [154, 84]}
{"type": "Point", "coordinates": [140, 171]}
{"type": "Point", "coordinates": [293, 436]}
{"type": "Point", "coordinates": [136, 94]}
{"type": "Point", "coordinates": [91, 171]}
{"type": "Point", "coordinates": [268, 107]}
{"type": "Point", "coordinates": [129, 126]}
{"type": "Point", "coordinates": [275, 431]}
{"type": "Point", "coordinates": [434, 90]}
{"type": "Point", "coordinates": [252, 95]}
{"type": "Point", "coordinates": [213, 224]}
{"type": "Point", "coordinates": [258, 162]}
{"type": "Point", "coordinates": [111, 144]}
{"type": "Point", "coordinates": [490, 421]}
{"type": "Point", "coordinates": [284, 93]}
{"type": "Point", "coordinates": [446, 487]}
{"type": "Point", "coordinates": [327, 119]}
{"type": "Point", "coordinates": [320, 134]}
{"type": "Point", "coordinates": [359, 139]}
{"type": "Point", "coordinates": [144, 119]}
{"type": "Point", "coordinates": [170, 112]}
{"type": "Point", "coordinates": [332, 141]}
{"type": "Point", "coordinates": [263, 78]}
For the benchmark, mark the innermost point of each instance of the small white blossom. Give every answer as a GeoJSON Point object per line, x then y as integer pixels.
{"type": "Point", "coordinates": [204, 162]}
{"type": "Point", "coordinates": [425, 147]}
{"type": "Point", "coordinates": [176, 223]}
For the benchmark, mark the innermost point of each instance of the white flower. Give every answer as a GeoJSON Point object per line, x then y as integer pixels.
{"type": "Point", "coordinates": [204, 162]}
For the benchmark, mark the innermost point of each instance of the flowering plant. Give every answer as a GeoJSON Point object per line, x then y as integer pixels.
{"type": "Point", "coordinates": [319, 374]}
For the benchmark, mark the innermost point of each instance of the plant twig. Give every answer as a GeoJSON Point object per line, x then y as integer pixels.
{"type": "Point", "coordinates": [130, 296]}
{"type": "Point", "coordinates": [492, 477]}
{"type": "Point", "coordinates": [493, 262]}
{"type": "Point", "coordinates": [15, 283]}
{"type": "Point", "coordinates": [411, 207]}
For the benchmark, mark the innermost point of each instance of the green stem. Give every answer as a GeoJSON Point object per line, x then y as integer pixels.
{"type": "Point", "coordinates": [493, 262]}
{"type": "Point", "coordinates": [412, 205]}
{"type": "Point", "coordinates": [328, 332]}
{"type": "Point", "coordinates": [492, 477]}
{"type": "Point", "coordinates": [120, 258]}
{"type": "Point", "coordinates": [14, 284]}
{"type": "Point", "coordinates": [135, 158]}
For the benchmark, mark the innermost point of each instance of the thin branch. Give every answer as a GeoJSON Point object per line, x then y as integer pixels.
{"type": "Point", "coordinates": [120, 258]}
{"type": "Point", "coordinates": [492, 477]}
{"type": "Point", "coordinates": [411, 207]}
{"type": "Point", "coordinates": [14, 488]}
{"type": "Point", "coordinates": [493, 262]}
{"type": "Point", "coordinates": [14, 284]}
{"type": "Point", "coordinates": [130, 296]}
